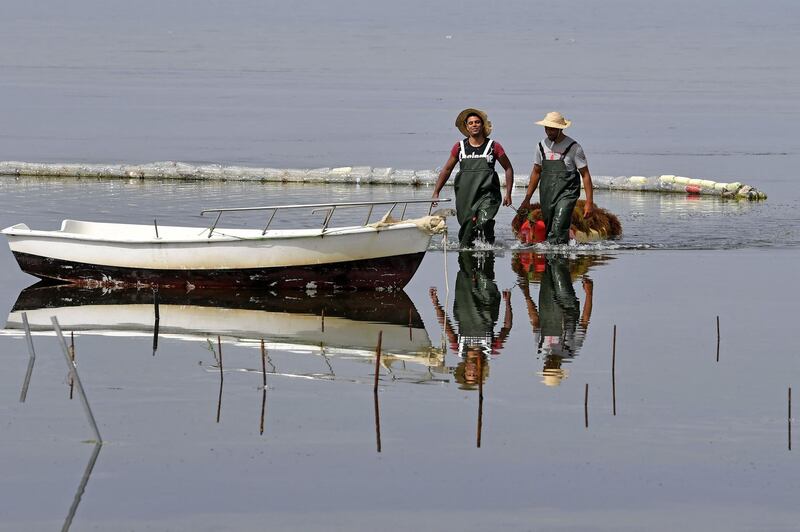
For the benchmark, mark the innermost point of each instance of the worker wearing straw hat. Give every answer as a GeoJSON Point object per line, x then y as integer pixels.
{"type": "Point", "coordinates": [558, 163]}
{"type": "Point", "coordinates": [476, 309]}
{"type": "Point", "coordinates": [477, 186]}
{"type": "Point", "coordinates": [559, 325]}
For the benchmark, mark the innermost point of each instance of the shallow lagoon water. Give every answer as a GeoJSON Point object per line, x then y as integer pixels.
{"type": "Point", "coordinates": [706, 90]}
{"type": "Point", "coordinates": [695, 442]}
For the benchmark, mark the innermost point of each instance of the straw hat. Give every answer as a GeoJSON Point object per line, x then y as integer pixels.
{"type": "Point", "coordinates": [553, 377]}
{"type": "Point", "coordinates": [462, 119]}
{"type": "Point", "coordinates": [554, 119]}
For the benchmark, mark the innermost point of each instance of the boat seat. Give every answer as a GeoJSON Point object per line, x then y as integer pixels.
{"type": "Point", "coordinates": [77, 227]}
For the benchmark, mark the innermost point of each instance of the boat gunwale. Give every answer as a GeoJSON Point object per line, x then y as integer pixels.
{"type": "Point", "coordinates": [219, 235]}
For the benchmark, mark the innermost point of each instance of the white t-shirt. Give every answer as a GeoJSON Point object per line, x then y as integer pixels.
{"type": "Point", "coordinates": [553, 151]}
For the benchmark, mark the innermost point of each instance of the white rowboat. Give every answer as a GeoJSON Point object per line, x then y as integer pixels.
{"type": "Point", "coordinates": [339, 324]}
{"type": "Point", "coordinates": [380, 255]}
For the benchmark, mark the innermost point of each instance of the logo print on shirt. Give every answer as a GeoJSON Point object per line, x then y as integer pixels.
{"type": "Point", "coordinates": [489, 158]}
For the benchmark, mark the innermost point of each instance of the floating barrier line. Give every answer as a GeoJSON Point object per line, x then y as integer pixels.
{"type": "Point", "coordinates": [355, 175]}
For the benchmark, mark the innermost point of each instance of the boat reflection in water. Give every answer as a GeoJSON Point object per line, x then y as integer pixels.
{"type": "Point", "coordinates": [559, 323]}
{"type": "Point", "coordinates": [342, 325]}
{"type": "Point", "coordinates": [476, 310]}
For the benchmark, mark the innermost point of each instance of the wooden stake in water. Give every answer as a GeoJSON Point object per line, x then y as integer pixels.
{"type": "Point", "coordinates": [219, 348]}
{"type": "Point", "coordinates": [221, 378]}
{"type": "Point", "coordinates": [31, 358]}
{"type": "Point", "coordinates": [375, 392]}
{"type": "Point", "coordinates": [480, 400]}
{"type": "Point", "coordinates": [717, 338]}
{"type": "Point", "coordinates": [446, 280]}
{"type": "Point", "coordinates": [28, 336]}
{"type": "Point", "coordinates": [263, 409]}
{"type": "Point", "coordinates": [72, 354]}
{"type": "Point", "coordinates": [377, 361]}
{"type": "Point", "coordinates": [614, 350]}
{"type": "Point", "coordinates": [74, 372]}
{"type": "Point", "coordinates": [81, 487]}
{"type": "Point", "coordinates": [322, 320]}
{"type": "Point", "coordinates": [614, 373]}
{"type": "Point", "coordinates": [157, 321]}
{"type": "Point", "coordinates": [586, 406]}
{"type": "Point", "coordinates": [264, 362]}
{"type": "Point", "coordinates": [790, 418]}
{"type": "Point", "coordinates": [377, 407]}
{"type": "Point", "coordinates": [264, 390]}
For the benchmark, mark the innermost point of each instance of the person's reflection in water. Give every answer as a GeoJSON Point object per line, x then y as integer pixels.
{"type": "Point", "coordinates": [476, 310]}
{"type": "Point", "coordinates": [559, 326]}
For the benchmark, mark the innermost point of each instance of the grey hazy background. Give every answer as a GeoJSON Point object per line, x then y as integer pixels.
{"type": "Point", "coordinates": [706, 89]}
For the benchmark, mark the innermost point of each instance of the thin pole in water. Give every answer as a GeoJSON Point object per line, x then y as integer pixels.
{"type": "Point", "coordinates": [790, 418]}
{"type": "Point", "coordinates": [614, 372]}
{"type": "Point", "coordinates": [446, 293]}
{"type": "Point", "coordinates": [264, 362]}
{"type": "Point", "coordinates": [221, 377]}
{"type": "Point", "coordinates": [444, 252]}
{"type": "Point", "coordinates": [264, 390]}
{"type": "Point", "coordinates": [72, 354]}
{"type": "Point", "coordinates": [74, 373]}
{"type": "Point", "coordinates": [375, 391]}
{"type": "Point", "coordinates": [155, 224]}
{"type": "Point", "coordinates": [31, 358]}
{"type": "Point", "coordinates": [28, 335]}
{"type": "Point", "coordinates": [81, 487]}
{"type": "Point", "coordinates": [219, 348]}
{"type": "Point", "coordinates": [410, 333]}
{"type": "Point", "coordinates": [717, 338]}
{"type": "Point", "coordinates": [377, 406]}
{"type": "Point", "coordinates": [586, 406]}
{"type": "Point", "coordinates": [157, 321]}
{"type": "Point", "coordinates": [480, 399]}
{"type": "Point", "coordinates": [263, 409]}
{"type": "Point", "coordinates": [377, 361]}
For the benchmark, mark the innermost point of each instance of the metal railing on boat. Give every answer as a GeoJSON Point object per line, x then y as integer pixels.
{"type": "Point", "coordinates": [328, 208]}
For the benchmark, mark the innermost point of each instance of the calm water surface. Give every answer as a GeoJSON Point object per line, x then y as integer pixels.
{"type": "Point", "coordinates": [673, 434]}
{"type": "Point", "coordinates": [480, 422]}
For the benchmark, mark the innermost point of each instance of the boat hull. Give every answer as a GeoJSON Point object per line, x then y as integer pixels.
{"type": "Point", "coordinates": [103, 254]}
{"type": "Point", "coordinates": [383, 273]}
{"type": "Point", "coordinates": [289, 327]}
{"type": "Point", "coordinates": [338, 323]}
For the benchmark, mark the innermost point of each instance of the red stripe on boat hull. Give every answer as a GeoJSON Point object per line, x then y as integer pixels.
{"type": "Point", "coordinates": [391, 273]}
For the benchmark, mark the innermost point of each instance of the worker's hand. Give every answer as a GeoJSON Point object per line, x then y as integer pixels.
{"type": "Point", "coordinates": [507, 199]}
{"type": "Point", "coordinates": [434, 197]}
{"type": "Point", "coordinates": [525, 205]}
{"type": "Point", "coordinates": [507, 295]}
{"type": "Point", "coordinates": [588, 284]}
{"type": "Point", "coordinates": [588, 209]}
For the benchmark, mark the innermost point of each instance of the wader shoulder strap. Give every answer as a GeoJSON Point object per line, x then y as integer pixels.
{"type": "Point", "coordinates": [488, 148]}
{"type": "Point", "coordinates": [463, 152]}
{"type": "Point", "coordinates": [564, 154]}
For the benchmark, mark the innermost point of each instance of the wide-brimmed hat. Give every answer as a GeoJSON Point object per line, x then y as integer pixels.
{"type": "Point", "coordinates": [554, 119]}
{"type": "Point", "coordinates": [553, 376]}
{"type": "Point", "coordinates": [462, 119]}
